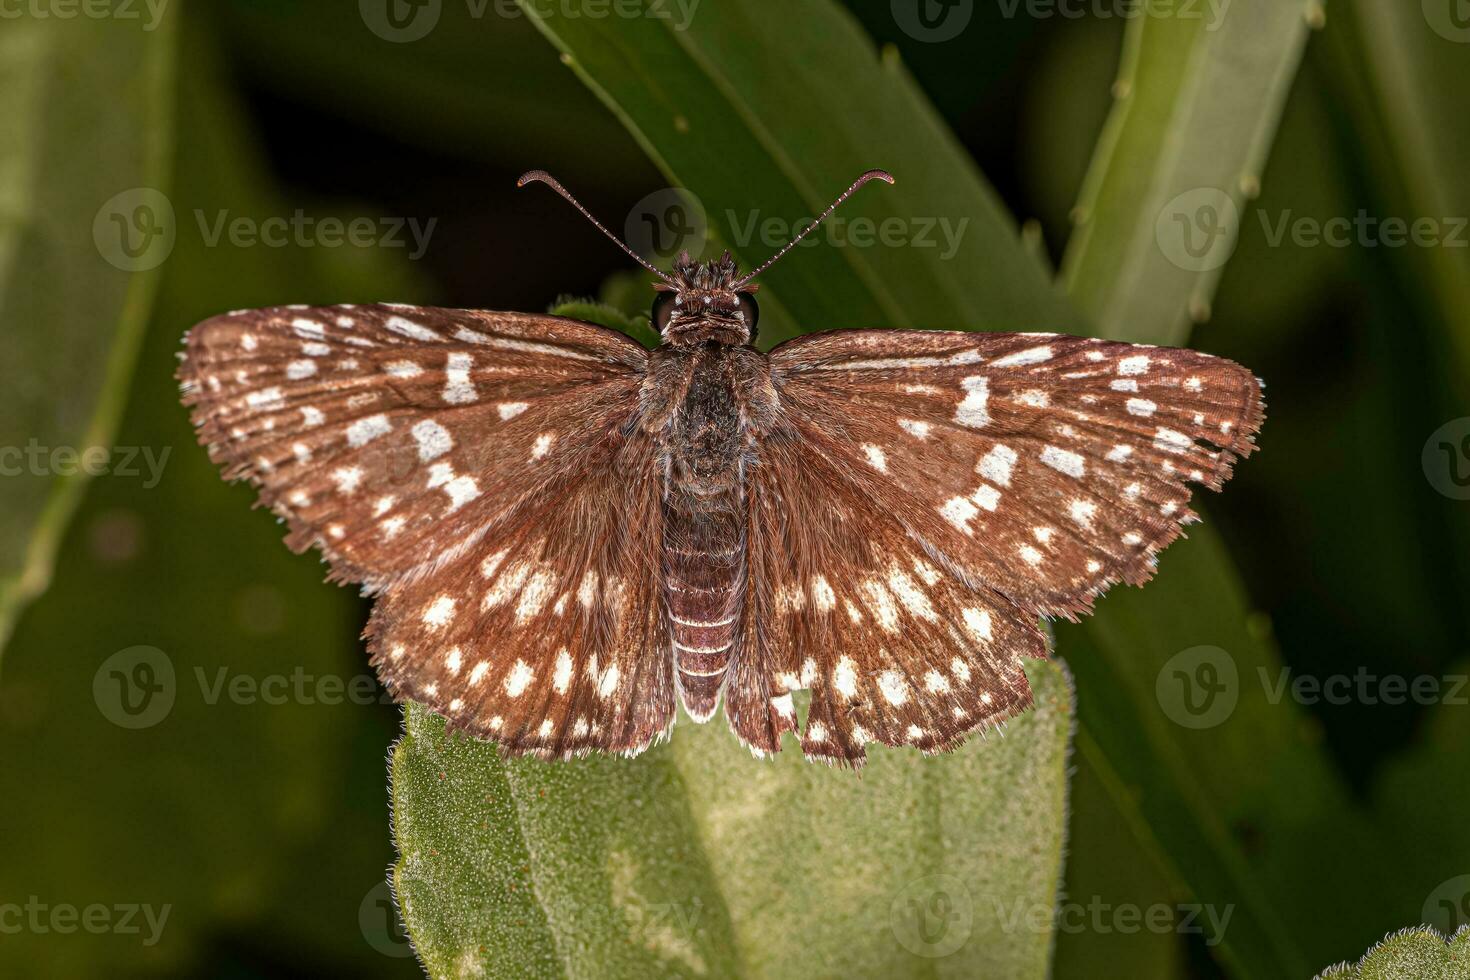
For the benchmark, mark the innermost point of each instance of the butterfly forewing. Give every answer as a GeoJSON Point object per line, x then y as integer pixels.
{"type": "Point", "coordinates": [392, 435]}
{"type": "Point", "coordinates": [1046, 466]}
{"type": "Point", "coordinates": [477, 469]}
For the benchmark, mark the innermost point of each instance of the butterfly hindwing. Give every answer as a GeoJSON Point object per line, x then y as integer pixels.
{"type": "Point", "coordinates": [548, 635]}
{"type": "Point", "coordinates": [895, 646]}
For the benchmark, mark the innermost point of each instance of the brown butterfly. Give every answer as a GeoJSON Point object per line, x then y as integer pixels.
{"type": "Point", "coordinates": [567, 533]}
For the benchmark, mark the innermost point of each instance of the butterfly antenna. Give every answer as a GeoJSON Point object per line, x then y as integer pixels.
{"type": "Point", "coordinates": [550, 181]}
{"type": "Point", "coordinates": [882, 175]}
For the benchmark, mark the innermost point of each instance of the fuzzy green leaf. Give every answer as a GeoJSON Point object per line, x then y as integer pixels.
{"type": "Point", "coordinates": [1413, 954]}
{"type": "Point", "coordinates": [695, 860]}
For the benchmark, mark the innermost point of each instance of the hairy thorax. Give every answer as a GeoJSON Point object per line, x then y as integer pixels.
{"type": "Point", "coordinates": [706, 406]}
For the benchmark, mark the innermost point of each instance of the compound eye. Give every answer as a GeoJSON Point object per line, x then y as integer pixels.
{"type": "Point", "coordinates": [752, 312]}
{"type": "Point", "coordinates": [663, 309]}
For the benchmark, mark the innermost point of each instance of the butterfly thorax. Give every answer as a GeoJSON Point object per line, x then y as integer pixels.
{"type": "Point", "coordinates": [705, 407]}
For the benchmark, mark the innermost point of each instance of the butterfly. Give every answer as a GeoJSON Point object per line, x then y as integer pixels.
{"type": "Point", "coordinates": [568, 535]}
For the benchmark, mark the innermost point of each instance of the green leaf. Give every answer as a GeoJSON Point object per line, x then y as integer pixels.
{"type": "Point", "coordinates": [1197, 113]}
{"type": "Point", "coordinates": [1198, 100]}
{"type": "Point", "coordinates": [608, 316]}
{"type": "Point", "coordinates": [1401, 70]}
{"type": "Point", "coordinates": [693, 859]}
{"type": "Point", "coordinates": [232, 814]}
{"type": "Point", "coordinates": [1413, 954]}
{"type": "Point", "coordinates": [710, 110]}
{"type": "Point", "coordinates": [72, 298]}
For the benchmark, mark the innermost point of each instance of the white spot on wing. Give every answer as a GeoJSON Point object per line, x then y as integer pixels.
{"type": "Point", "coordinates": [997, 464]}
{"type": "Point", "coordinates": [347, 478]}
{"type": "Point", "coordinates": [1141, 406]}
{"type": "Point", "coordinates": [915, 428]}
{"type": "Point", "coordinates": [433, 440]}
{"type": "Point", "coordinates": [407, 328]}
{"type": "Point", "coordinates": [509, 410]}
{"type": "Point", "coordinates": [1171, 441]}
{"type": "Point", "coordinates": [1063, 461]}
{"type": "Point", "coordinates": [893, 688]}
{"type": "Point", "coordinates": [562, 679]}
{"type": "Point", "coordinates": [973, 412]}
{"type": "Point", "coordinates": [1031, 355]}
{"type": "Point", "coordinates": [519, 679]}
{"type": "Point", "coordinates": [266, 399]}
{"type": "Point", "coordinates": [439, 612]}
{"type": "Point", "coordinates": [959, 512]}
{"type": "Point", "coordinates": [364, 431]}
{"type": "Point", "coordinates": [457, 387]}
{"type": "Point", "coordinates": [403, 369]}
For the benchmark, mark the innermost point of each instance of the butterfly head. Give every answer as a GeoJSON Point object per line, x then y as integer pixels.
{"type": "Point", "coordinates": [705, 302]}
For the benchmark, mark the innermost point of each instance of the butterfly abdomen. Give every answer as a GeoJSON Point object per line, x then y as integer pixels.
{"type": "Point", "coordinates": [704, 564]}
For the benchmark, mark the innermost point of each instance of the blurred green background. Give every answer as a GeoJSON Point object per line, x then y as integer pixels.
{"type": "Point", "coordinates": [1318, 816]}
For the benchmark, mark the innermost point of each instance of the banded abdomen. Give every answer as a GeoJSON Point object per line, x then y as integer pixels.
{"type": "Point", "coordinates": [703, 570]}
